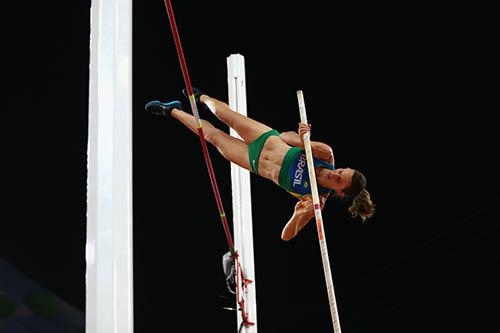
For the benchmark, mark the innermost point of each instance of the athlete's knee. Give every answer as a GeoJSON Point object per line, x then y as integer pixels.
{"type": "Point", "coordinates": [214, 136]}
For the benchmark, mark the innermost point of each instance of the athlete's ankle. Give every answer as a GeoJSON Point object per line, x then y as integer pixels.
{"type": "Point", "coordinates": [204, 98]}
{"type": "Point", "coordinates": [209, 102]}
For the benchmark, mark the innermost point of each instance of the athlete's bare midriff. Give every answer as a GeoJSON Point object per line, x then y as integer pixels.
{"type": "Point", "coordinates": [271, 157]}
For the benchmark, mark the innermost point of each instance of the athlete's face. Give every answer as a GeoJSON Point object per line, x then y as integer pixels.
{"type": "Point", "coordinates": [341, 179]}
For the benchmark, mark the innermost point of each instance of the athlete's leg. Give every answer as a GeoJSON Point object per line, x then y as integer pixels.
{"type": "Point", "coordinates": [248, 128]}
{"type": "Point", "coordinates": [231, 148]}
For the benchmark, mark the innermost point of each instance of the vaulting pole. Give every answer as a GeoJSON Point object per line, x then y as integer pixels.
{"type": "Point", "coordinates": [319, 218]}
{"type": "Point", "coordinates": [201, 135]}
{"type": "Point", "coordinates": [241, 279]}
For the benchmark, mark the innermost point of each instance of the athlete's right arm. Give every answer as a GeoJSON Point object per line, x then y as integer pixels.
{"type": "Point", "coordinates": [319, 149]}
{"type": "Point", "coordinates": [292, 138]}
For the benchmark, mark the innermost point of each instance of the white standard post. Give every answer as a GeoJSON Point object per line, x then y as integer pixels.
{"type": "Point", "coordinates": [109, 285]}
{"type": "Point", "coordinates": [319, 218]}
{"type": "Point", "coordinates": [242, 200]}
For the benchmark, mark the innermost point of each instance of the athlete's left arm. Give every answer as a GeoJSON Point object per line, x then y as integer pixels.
{"type": "Point", "coordinates": [302, 214]}
{"type": "Point", "coordinates": [319, 149]}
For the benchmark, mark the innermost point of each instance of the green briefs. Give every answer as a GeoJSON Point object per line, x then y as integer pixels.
{"type": "Point", "coordinates": [255, 148]}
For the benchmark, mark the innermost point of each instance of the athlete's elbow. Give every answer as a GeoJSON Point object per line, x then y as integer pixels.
{"type": "Point", "coordinates": [329, 153]}
{"type": "Point", "coordinates": [284, 136]}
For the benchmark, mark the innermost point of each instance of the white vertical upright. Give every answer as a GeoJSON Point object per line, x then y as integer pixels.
{"type": "Point", "coordinates": [109, 285]}
{"type": "Point", "coordinates": [242, 200]}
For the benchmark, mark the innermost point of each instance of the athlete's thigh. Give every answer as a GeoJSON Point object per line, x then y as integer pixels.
{"type": "Point", "coordinates": [247, 128]}
{"type": "Point", "coordinates": [233, 149]}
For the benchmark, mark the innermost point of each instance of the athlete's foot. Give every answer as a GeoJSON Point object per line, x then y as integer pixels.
{"type": "Point", "coordinates": [162, 109]}
{"type": "Point", "coordinates": [200, 98]}
{"type": "Point", "coordinates": [196, 92]}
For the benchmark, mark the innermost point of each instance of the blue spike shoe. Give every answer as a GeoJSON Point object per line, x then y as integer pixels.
{"type": "Point", "coordinates": [162, 109]}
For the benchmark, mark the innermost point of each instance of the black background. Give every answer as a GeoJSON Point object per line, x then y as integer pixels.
{"type": "Point", "coordinates": [399, 92]}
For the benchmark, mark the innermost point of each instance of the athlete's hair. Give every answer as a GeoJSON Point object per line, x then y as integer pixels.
{"type": "Point", "coordinates": [362, 204]}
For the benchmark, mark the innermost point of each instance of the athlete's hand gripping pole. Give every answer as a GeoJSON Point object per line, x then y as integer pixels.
{"type": "Point", "coordinates": [318, 216]}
